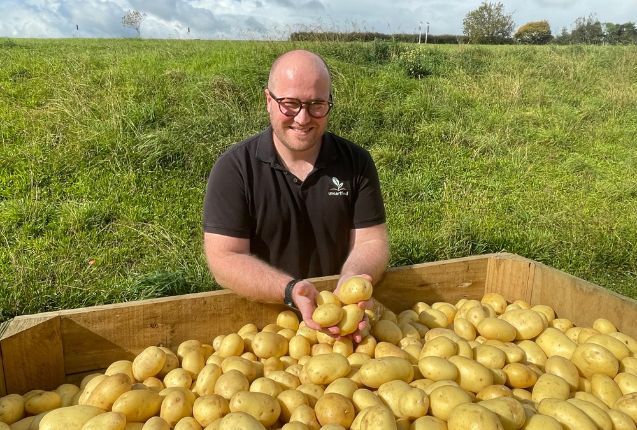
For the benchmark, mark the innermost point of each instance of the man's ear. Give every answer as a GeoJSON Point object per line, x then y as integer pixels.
{"type": "Point", "coordinates": [267, 99]}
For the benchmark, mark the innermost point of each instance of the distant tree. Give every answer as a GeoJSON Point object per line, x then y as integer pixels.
{"type": "Point", "coordinates": [564, 38]}
{"type": "Point", "coordinates": [488, 24]}
{"type": "Point", "coordinates": [134, 19]}
{"type": "Point", "coordinates": [534, 33]}
{"type": "Point", "coordinates": [588, 30]}
{"type": "Point", "coordinates": [620, 34]}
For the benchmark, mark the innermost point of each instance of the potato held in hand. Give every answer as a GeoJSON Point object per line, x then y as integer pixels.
{"type": "Point", "coordinates": [354, 290]}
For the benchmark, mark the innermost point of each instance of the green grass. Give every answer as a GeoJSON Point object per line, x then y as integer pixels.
{"type": "Point", "coordinates": [107, 144]}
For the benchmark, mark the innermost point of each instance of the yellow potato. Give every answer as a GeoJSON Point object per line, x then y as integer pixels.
{"type": "Point", "coordinates": [509, 411]}
{"type": "Point", "coordinates": [243, 365]}
{"type": "Point", "coordinates": [11, 408]}
{"type": "Point", "coordinates": [138, 405]}
{"type": "Point", "coordinates": [66, 392]}
{"type": "Point", "coordinates": [562, 324]}
{"type": "Point", "coordinates": [268, 344]}
{"type": "Point", "coordinates": [305, 415]}
{"type": "Point", "coordinates": [437, 368]}
{"type": "Point", "coordinates": [239, 420]}
{"type": "Point", "coordinates": [377, 371]}
{"type": "Point", "coordinates": [207, 409]}
{"type": "Point", "coordinates": [326, 296]}
{"type": "Point", "coordinates": [627, 340]}
{"type": "Point", "coordinates": [550, 386]}
{"type": "Point", "coordinates": [591, 358]}
{"type": "Point", "coordinates": [343, 386]}
{"type": "Point", "coordinates": [473, 416]}
{"type": "Point", "coordinates": [585, 333]}
{"type": "Point", "coordinates": [542, 422]}
{"type": "Point", "coordinates": [148, 363]}
{"type": "Point", "coordinates": [444, 399]}
{"type": "Point", "coordinates": [563, 368]}
{"type": "Point", "coordinates": [583, 395]}
{"type": "Point", "coordinates": [603, 325]}
{"type": "Point", "coordinates": [175, 406]}
{"type": "Point", "coordinates": [519, 375]}
{"type": "Point", "coordinates": [69, 417]}
{"type": "Point", "coordinates": [605, 389]}
{"type": "Point", "coordinates": [494, 392]}
{"type": "Point", "coordinates": [328, 314]}
{"type": "Point", "coordinates": [386, 349]}
{"type": "Point", "coordinates": [106, 421]}
{"type": "Point", "coordinates": [288, 401]}
{"type": "Point", "coordinates": [333, 408]}
{"type": "Point", "coordinates": [494, 328]}
{"type": "Point", "coordinates": [352, 316]}
{"type": "Point", "coordinates": [548, 312]}
{"type": "Point", "coordinates": [428, 423]}
{"type": "Point", "coordinates": [230, 383]}
{"type": "Point", "coordinates": [528, 323]}
{"type": "Point", "coordinates": [472, 376]}
{"type": "Point", "coordinates": [266, 386]}
{"type": "Point", "coordinates": [355, 289]}
{"type": "Point", "coordinates": [265, 408]}
{"type": "Point", "coordinates": [533, 353]}
{"type": "Point", "coordinates": [364, 398]}
{"type": "Point", "coordinates": [193, 361]}
{"type": "Point", "coordinates": [627, 382]}
{"type": "Point", "coordinates": [628, 405]}
{"type": "Point", "coordinates": [567, 414]}
{"type": "Point", "coordinates": [620, 420]}
{"type": "Point", "coordinates": [496, 301]}
{"type": "Point", "coordinates": [463, 328]}
{"type": "Point", "coordinates": [178, 377]}
{"type": "Point", "coordinates": [392, 393]}
{"type": "Point", "coordinates": [598, 415]}
{"type": "Point", "coordinates": [288, 319]}
{"type": "Point", "coordinates": [107, 391]}
{"type": "Point", "coordinates": [285, 379]}
{"type": "Point", "coordinates": [614, 345]}
{"type": "Point", "coordinates": [490, 356]}
{"type": "Point", "coordinates": [206, 380]}
{"type": "Point", "coordinates": [367, 345]}
{"type": "Point", "coordinates": [629, 365]}
{"type": "Point", "coordinates": [374, 418]}
{"type": "Point", "coordinates": [554, 342]}
{"type": "Point", "coordinates": [231, 345]}
{"type": "Point", "coordinates": [120, 366]}
{"type": "Point", "coordinates": [440, 346]}
{"type": "Point", "coordinates": [433, 318]}
{"type": "Point", "coordinates": [326, 368]}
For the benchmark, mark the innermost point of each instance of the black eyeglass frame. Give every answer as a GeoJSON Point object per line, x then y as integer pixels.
{"type": "Point", "coordinates": [279, 100]}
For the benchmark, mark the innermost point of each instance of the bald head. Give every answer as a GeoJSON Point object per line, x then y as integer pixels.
{"type": "Point", "coordinates": [296, 65]}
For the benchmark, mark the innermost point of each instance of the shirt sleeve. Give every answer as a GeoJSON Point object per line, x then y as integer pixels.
{"type": "Point", "coordinates": [225, 209]}
{"type": "Point", "coordinates": [369, 209]}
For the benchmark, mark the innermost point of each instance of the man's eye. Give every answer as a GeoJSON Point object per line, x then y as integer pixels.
{"type": "Point", "coordinates": [291, 105]}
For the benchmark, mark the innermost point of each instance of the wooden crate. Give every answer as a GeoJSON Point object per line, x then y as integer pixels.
{"type": "Point", "coordinates": [44, 350]}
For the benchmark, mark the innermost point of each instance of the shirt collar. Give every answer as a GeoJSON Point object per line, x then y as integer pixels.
{"type": "Point", "coordinates": [267, 154]}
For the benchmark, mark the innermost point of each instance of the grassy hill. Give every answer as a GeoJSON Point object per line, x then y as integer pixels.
{"type": "Point", "coordinates": [107, 144]}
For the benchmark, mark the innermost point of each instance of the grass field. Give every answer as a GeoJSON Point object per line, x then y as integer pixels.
{"type": "Point", "coordinates": [107, 144]}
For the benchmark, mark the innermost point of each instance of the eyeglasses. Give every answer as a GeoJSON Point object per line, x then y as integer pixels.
{"type": "Point", "coordinates": [291, 106]}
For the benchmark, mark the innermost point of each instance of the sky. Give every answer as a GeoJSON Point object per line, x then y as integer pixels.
{"type": "Point", "coordinates": [276, 19]}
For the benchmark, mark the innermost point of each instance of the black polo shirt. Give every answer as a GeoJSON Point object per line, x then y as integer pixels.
{"type": "Point", "coordinates": [300, 227]}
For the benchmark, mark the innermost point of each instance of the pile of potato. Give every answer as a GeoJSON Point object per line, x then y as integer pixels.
{"type": "Point", "coordinates": [471, 365]}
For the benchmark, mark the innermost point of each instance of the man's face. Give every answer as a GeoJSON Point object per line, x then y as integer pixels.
{"type": "Point", "coordinates": [301, 132]}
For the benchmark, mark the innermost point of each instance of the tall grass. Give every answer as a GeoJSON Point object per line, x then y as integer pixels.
{"type": "Point", "coordinates": [106, 147]}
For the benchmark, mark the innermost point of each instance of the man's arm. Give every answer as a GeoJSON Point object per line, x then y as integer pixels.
{"type": "Point", "coordinates": [369, 253]}
{"type": "Point", "coordinates": [233, 267]}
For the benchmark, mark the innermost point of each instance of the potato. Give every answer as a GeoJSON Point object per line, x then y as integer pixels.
{"type": "Point", "coordinates": [342, 386]}
{"type": "Point", "coordinates": [605, 389]}
{"type": "Point", "coordinates": [305, 415]}
{"type": "Point", "coordinates": [562, 324]}
{"type": "Point", "coordinates": [428, 423]}
{"type": "Point", "coordinates": [628, 405]}
{"type": "Point", "coordinates": [148, 363]}
{"type": "Point", "coordinates": [629, 365]}
{"type": "Point", "coordinates": [88, 388]}
{"type": "Point", "coordinates": [392, 392]}
{"type": "Point", "coordinates": [266, 386]}
{"type": "Point", "coordinates": [66, 392]}
{"type": "Point", "coordinates": [175, 406]}
{"type": "Point", "coordinates": [473, 416]}
{"type": "Point", "coordinates": [377, 371]}
{"type": "Point", "coordinates": [138, 405]}
{"type": "Point", "coordinates": [490, 356]}
{"type": "Point", "coordinates": [473, 376]}
{"type": "Point", "coordinates": [107, 391]}
{"type": "Point", "coordinates": [414, 404]}
{"type": "Point", "coordinates": [437, 368]}
{"type": "Point", "coordinates": [69, 417]}
{"type": "Point", "coordinates": [494, 328]}
{"type": "Point", "coordinates": [178, 377]}
{"type": "Point", "coordinates": [230, 383]}
{"type": "Point", "coordinates": [463, 328]}
{"type": "Point", "coordinates": [550, 386]}
{"type": "Point", "coordinates": [106, 421]}
{"type": "Point", "coordinates": [326, 368]}
{"type": "Point", "coordinates": [496, 301]}
{"type": "Point", "coordinates": [528, 323]}
{"type": "Point", "coordinates": [246, 367]}
{"type": "Point", "coordinates": [288, 319]}
{"type": "Point", "coordinates": [542, 422]}
{"type": "Point", "coordinates": [355, 289]}
{"type": "Point", "coordinates": [120, 366]}
{"type": "Point", "coordinates": [187, 423]}
{"type": "Point", "coordinates": [494, 392]}
{"type": "Point", "coordinates": [598, 415]}
{"type": "Point", "coordinates": [352, 316]}
{"type": "Point", "coordinates": [554, 342]}
{"type": "Point", "coordinates": [630, 342]}
{"type": "Point", "coordinates": [265, 408]}
{"type": "Point", "coordinates": [533, 353]}
{"type": "Point", "coordinates": [11, 408]}
{"type": "Point", "coordinates": [290, 400]}
{"type": "Point", "coordinates": [267, 344]}
{"type": "Point", "coordinates": [615, 346]}
{"type": "Point", "coordinates": [374, 418]}
{"type": "Point", "coordinates": [386, 349]}
{"type": "Point", "coordinates": [193, 361]}
{"type": "Point", "coordinates": [294, 425]}
{"type": "Point", "coordinates": [207, 409]}
{"type": "Point", "coordinates": [444, 399]}
{"type": "Point", "coordinates": [333, 408]}
{"type": "Point", "coordinates": [509, 411]}
{"type": "Point", "coordinates": [206, 380]}
{"type": "Point", "coordinates": [567, 414]}
{"type": "Point", "coordinates": [591, 358]}
{"type": "Point", "coordinates": [514, 354]}
{"type": "Point", "coordinates": [620, 420]}
{"type": "Point", "coordinates": [563, 368]}
{"type": "Point", "coordinates": [312, 391]}
{"type": "Point", "coordinates": [239, 420]}
{"type": "Point", "coordinates": [328, 314]}
{"type": "Point", "coordinates": [440, 346]}
{"type": "Point", "coordinates": [626, 382]}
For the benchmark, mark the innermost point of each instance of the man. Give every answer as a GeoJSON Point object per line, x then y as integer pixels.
{"type": "Point", "coordinates": [295, 201]}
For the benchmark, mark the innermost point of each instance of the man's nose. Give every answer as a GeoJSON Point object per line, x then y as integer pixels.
{"type": "Point", "coordinates": [303, 117]}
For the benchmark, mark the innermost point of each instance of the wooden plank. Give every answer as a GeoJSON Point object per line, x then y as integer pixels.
{"type": "Point", "coordinates": [447, 281]}
{"type": "Point", "coordinates": [32, 354]}
{"type": "Point", "coordinates": [95, 337]}
{"type": "Point", "coordinates": [581, 301]}
{"type": "Point", "coordinates": [510, 275]}
{"type": "Point", "coordinates": [3, 385]}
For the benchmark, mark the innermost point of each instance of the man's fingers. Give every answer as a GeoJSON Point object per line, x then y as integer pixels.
{"type": "Point", "coordinates": [366, 304]}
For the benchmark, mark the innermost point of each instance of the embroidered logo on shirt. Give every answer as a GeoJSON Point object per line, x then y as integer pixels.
{"type": "Point", "coordinates": [339, 189]}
